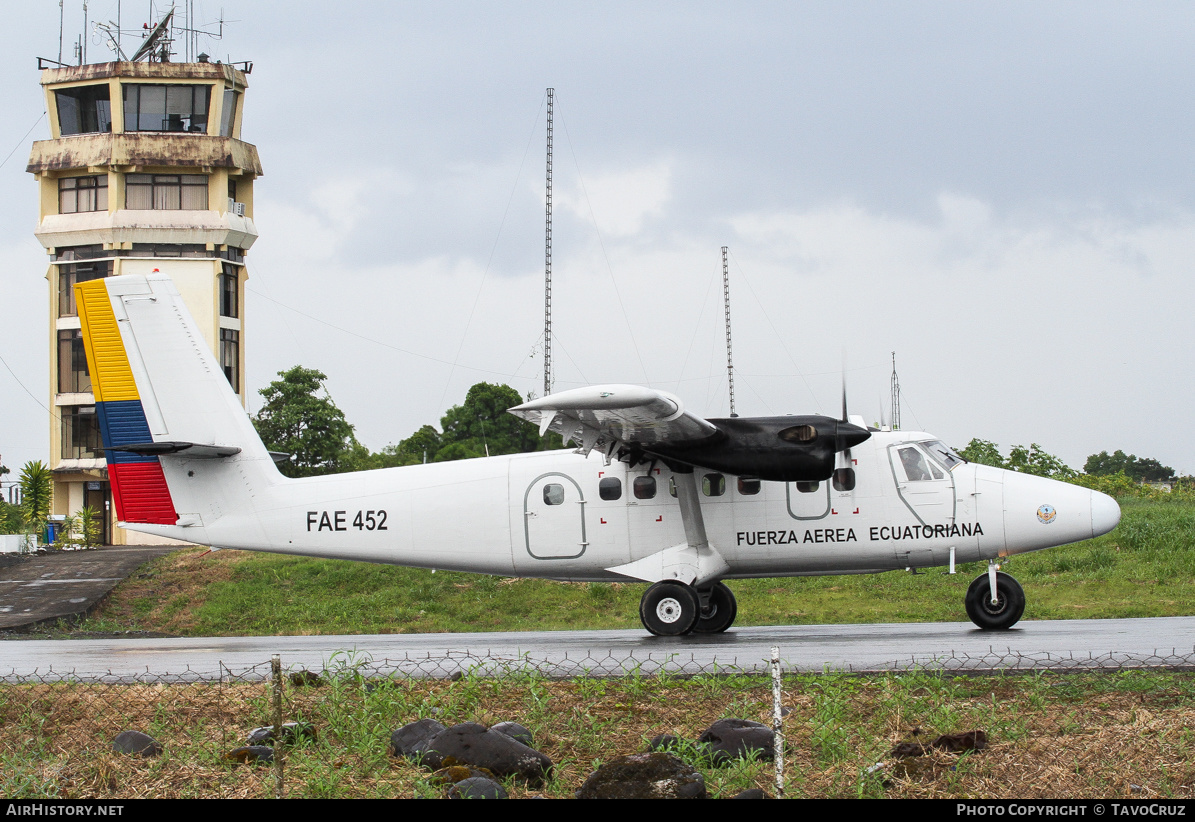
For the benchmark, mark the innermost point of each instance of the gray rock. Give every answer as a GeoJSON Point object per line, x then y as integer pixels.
{"type": "Point", "coordinates": [664, 742]}
{"type": "Point", "coordinates": [306, 679]}
{"type": "Point", "coordinates": [730, 739]}
{"type": "Point", "coordinates": [655, 775]}
{"type": "Point", "coordinates": [251, 755]}
{"type": "Point", "coordinates": [472, 744]}
{"type": "Point", "coordinates": [476, 787]}
{"type": "Point", "coordinates": [411, 740]}
{"type": "Point", "coordinates": [136, 742]}
{"type": "Point", "coordinates": [515, 731]}
{"type": "Point", "coordinates": [291, 732]}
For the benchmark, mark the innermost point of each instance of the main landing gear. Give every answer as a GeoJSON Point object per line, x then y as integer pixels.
{"type": "Point", "coordinates": [672, 608]}
{"type": "Point", "coordinates": [997, 613]}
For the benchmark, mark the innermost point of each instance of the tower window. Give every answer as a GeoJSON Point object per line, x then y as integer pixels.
{"type": "Point", "coordinates": [166, 108]}
{"type": "Point", "coordinates": [230, 357]}
{"type": "Point", "coordinates": [69, 275]}
{"type": "Point", "coordinates": [228, 113]}
{"type": "Point", "coordinates": [81, 433]}
{"type": "Point", "coordinates": [166, 191]}
{"type": "Point", "coordinates": [228, 292]}
{"type": "Point", "coordinates": [83, 110]}
{"type": "Point", "coordinates": [73, 376]}
{"type": "Point", "coordinates": [82, 194]}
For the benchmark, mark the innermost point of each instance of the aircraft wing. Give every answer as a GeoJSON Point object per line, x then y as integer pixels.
{"type": "Point", "coordinates": [606, 416]}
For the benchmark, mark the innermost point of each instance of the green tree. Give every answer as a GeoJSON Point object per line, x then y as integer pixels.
{"type": "Point", "coordinates": [481, 425]}
{"type": "Point", "coordinates": [89, 526]}
{"type": "Point", "coordinates": [1139, 469]}
{"type": "Point", "coordinates": [1033, 460]}
{"type": "Point", "coordinates": [297, 420]}
{"type": "Point", "coordinates": [11, 521]}
{"type": "Point", "coordinates": [982, 452]}
{"type": "Point", "coordinates": [36, 495]}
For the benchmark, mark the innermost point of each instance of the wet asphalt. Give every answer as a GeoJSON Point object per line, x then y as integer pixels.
{"type": "Point", "coordinates": [39, 590]}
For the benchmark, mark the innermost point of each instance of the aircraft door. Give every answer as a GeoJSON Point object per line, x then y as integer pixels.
{"type": "Point", "coordinates": [924, 486]}
{"type": "Point", "coordinates": [808, 500]}
{"type": "Point", "coordinates": [554, 517]}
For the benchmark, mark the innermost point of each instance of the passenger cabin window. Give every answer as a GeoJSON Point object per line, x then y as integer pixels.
{"type": "Point", "coordinates": [77, 194]}
{"type": "Point", "coordinates": [610, 488]}
{"type": "Point", "coordinates": [844, 479]}
{"type": "Point", "coordinates": [644, 487]}
{"type": "Point", "coordinates": [553, 494]}
{"type": "Point", "coordinates": [166, 192]}
{"type": "Point", "coordinates": [713, 485]}
{"type": "Point", "coordinates": [166, 108]}
{"type": "Point", "coordinates": [748, 487]}
{"type": "Point", "coordinates": [808, 487]}
{"type": "Point", "coordinates": [83, 110]}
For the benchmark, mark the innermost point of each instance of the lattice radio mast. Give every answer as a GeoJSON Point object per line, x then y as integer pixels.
{"type": "Point", "coordinates": [726, 310]}
{"type": "Point", "coordinates": [895, 396]}
{"type": "Point", "coordinates": [548, 259]}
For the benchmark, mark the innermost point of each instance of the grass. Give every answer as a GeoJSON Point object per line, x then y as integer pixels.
{"type": "Point", "coordinates": [1146, 567]}
{"type": "Point", "coordinates": [1076, 735]}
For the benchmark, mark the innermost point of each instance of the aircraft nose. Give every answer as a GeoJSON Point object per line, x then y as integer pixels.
{"type": "Point", "coordinates": [1105, 513]}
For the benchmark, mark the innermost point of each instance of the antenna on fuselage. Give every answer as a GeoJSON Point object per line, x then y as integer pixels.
{"type": "Point", "coordinates": [895, 396]}
{"type": "Point", "coordinates": [726, 309]}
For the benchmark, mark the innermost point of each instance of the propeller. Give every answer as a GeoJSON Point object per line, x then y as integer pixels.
{"type": "Point", "coordinates": [846, 434]}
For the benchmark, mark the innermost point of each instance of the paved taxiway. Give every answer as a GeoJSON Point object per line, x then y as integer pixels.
{"type": "Point", "coordinates": [1109, 643]}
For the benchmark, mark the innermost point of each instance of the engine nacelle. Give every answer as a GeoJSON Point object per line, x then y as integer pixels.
{"type": "Point", "coordinates": [777, 449]}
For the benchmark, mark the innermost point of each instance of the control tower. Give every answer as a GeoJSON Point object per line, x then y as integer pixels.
{"type": "Point", "coordinates": [144, 171]}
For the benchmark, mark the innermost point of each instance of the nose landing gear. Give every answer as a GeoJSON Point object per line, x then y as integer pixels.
{"type": "Point", "coordinates": [1007, 607]}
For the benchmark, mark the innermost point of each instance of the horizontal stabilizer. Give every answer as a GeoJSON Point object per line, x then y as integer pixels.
{"type": "Point", "coordinates": [193, 450]}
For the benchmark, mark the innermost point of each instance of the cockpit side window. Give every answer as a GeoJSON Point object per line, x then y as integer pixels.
{"type": "Point", "coordinates": [916, 467]}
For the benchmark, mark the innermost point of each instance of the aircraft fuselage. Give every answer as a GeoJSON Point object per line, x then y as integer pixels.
{"type": "Point", "coordinates": [559, 515]}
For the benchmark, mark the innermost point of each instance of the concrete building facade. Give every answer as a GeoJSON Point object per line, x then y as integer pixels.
{"type": "Point", "coordinates": [144, 171]}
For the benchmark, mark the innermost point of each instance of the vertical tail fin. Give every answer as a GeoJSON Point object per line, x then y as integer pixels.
{"type": "Point", "coordinates": [163, 401]}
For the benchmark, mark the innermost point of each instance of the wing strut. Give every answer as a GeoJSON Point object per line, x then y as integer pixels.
{"type": "Point", "coordinates": [694, 562]}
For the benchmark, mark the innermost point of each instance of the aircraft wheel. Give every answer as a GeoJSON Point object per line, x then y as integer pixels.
{"type": "Point", "coordinates": [669, 609]}
{"type": "Point", "coordinates": [1010, 603]}
{"type": "Point", "coordinates": [721, 611]}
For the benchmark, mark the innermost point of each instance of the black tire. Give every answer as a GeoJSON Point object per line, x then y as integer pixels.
{"type": "Point", "coordinates": [721, 611]}
{"type": "Point", "coordinates": [669, 609]}
{"type": "Point", "coordinates": [1010, 602]}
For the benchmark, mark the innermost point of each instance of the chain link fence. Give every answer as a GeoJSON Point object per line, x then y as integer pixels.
{"type": "Point", "coordinates": [1053, 725]}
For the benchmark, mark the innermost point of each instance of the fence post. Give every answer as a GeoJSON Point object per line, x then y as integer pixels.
{"type": "Point", "coordinates": [777, 728]}
{"type": "Point", "coordinates": [276, 676]}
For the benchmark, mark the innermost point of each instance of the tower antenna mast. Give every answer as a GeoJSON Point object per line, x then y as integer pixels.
{"type": "Point", "coordinates": [895, 396]}
{"type": "Point", "coordinates": [548, 259]}
{"type": "Point", "coordinates": [726, 310]}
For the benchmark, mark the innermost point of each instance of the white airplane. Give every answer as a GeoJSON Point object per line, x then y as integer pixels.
{"type": "Point", "coordinates": [653, 493]}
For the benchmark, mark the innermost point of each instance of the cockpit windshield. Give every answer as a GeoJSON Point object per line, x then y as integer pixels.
{"type": "Point", "coordinates": [942, 454]}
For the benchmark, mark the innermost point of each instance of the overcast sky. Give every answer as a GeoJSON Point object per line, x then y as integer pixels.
{"type": "Point", "coordinates": [1001, 193]}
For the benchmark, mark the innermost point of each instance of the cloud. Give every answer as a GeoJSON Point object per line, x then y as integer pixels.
{"type": "Point", "coordinates": [621, 201]}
